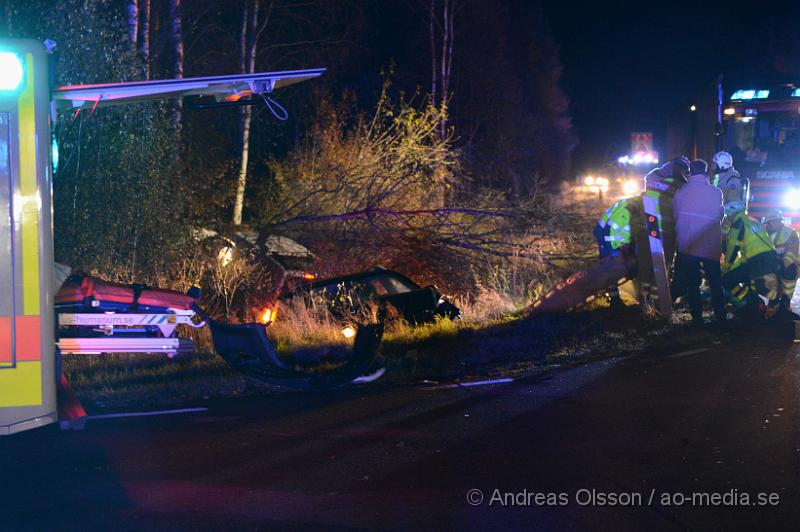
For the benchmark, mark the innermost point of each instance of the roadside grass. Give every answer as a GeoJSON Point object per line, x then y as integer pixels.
{"type": "Point", "coordinates": [504, 344]}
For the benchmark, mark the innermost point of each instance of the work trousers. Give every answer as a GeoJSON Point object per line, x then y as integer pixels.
{"type": "Point", "coordinates": [762, 270]}
{"type": "Point", "coordinates": [688, 276]}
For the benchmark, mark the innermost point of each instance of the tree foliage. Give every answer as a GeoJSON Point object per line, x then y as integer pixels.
{"type": "Point", "coordinates": [440, 186]}
{"type": "Point", "coordinates": [350, 161]}
{"type": "Point", "coordinates": [118, 187]}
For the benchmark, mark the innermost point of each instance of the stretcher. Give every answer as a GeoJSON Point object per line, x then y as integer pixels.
{"type": "Point", "coordinates": [97, 317]}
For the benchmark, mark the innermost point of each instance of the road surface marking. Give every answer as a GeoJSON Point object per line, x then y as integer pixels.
{"type": "Point", "coordinates": [144, 414]}
{"type": "Point", "coordinates": [688, 353]}
{"type": "Point", "coordinates": [472, 383]}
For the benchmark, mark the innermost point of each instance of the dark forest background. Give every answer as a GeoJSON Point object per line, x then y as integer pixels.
{"type": "Point", "coordinates": [426, 145]}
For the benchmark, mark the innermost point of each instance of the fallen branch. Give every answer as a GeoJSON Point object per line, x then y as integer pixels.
{"type": "Point", "coordinates": [368, 213]}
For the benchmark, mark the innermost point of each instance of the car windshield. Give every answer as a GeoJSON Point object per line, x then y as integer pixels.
{"type": "Point", "coordinates": [392, 285]}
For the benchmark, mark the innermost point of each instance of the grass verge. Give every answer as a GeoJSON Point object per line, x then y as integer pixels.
{"type": "Point", "coordinates": [443, 351]}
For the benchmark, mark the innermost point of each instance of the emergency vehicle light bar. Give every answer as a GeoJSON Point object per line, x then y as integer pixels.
{"type": "Point", "coordinates": [750, 94]}
{"type": "Point", "coordinates": [10, 71]}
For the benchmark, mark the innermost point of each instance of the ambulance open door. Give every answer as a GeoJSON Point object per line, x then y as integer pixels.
{"type": "Point", "coordinates": [27, 346]}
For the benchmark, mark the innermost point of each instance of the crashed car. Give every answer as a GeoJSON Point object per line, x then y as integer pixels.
{"type": "Point", "coordinates": [379, 285]}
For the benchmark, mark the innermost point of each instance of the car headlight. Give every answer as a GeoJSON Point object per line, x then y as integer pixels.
{"type": "Point", "coordinates": [630, 187]}
{"type": "Point", "coordinates": [791, 199]}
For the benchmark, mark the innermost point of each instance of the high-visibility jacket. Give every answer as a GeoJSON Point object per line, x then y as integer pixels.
{"type": "Point", "coordinates": [746, 239]}
{"type": "Point", "coordinates": [787, 244]}
{"type": "Point", "coordinates": [615, 224]}
{"type": "Point", "coordinates": [662, 189]}
{"type": "Point", "coordinates": [659, 192]}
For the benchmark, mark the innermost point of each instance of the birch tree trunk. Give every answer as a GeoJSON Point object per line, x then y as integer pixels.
{"type": "Point", "coordinates": [144, 37]}
{"type": "Point", "coordinates": [177, 41]}
{"type": "Point", "coordinates": [432, 31]}
{"type": "Point", "coordinates": [133, 21]}
{"type": "Point", "coordinates": [247, 62]}
{"type": "Point", "coordinates": [442, 36]}
{"type": "Point", "coordinates": [441, 28]}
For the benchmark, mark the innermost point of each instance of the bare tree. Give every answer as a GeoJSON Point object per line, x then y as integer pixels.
{"type": "Point", "coordinates": [250, 32]}
{"type": "Point", "coordinates": [133, 21]}
{"type": "Point", "coordinates": [441, 29]}
{"type": "Point", "coordinates": [144, 36]}
{"type": "Point", "coordinates": [177, 42]}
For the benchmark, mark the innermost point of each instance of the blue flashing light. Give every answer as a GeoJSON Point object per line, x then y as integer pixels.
{"type": "Point", "coordinates": [10, 71]}
{"type": "Point", "coordinates": [750, 94]}
{"type": "Point", "coordinates": [747, 94]}
{"type": "Point", "coordinates": [54, 153]}
{"type": "Point", "coordinates": [796, 93]}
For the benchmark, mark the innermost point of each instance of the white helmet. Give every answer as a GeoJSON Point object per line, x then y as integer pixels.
{"type": "Point", "coordinates": [733, 207]}
{"type": "Point", "coordinates": [723, 160]}
{"type": "Point", "coordinates": [773, 214]}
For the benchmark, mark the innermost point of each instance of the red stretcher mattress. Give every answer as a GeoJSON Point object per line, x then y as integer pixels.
{"type": "Point", "coordinates": [70, 292]}
{"type": "Point", "coordinates": [165, 298]}
{"type": "Point", "coordinates": [107, 292]}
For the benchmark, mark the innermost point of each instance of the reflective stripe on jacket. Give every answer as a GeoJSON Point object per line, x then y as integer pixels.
{"type": "Point", "coordinates": [786, 243]}
{"type": "Point", "coordinates": [616, 222]}
{"type": "Point", "coordinates": [732, 185]}
{"type": "Point", "coordinates": [745, 240]}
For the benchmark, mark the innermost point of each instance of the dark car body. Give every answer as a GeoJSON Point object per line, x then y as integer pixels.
{"type": "Point", "coordinates": [416, 304]}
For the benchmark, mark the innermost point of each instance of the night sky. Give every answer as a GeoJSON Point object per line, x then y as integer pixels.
{"type": "Point", "coordinates": [630, 66]}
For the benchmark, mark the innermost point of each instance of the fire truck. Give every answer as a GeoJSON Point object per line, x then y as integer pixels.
{"type": "Point", "coordinates": [761, 130]}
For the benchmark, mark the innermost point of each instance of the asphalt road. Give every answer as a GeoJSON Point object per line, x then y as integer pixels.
{"type": "Point", "coordinates": [678, 440]}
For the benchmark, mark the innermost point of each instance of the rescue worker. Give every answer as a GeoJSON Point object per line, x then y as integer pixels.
{"type": "Point", "coordinates": [660, 187]}
{"type": "Point", "coordinates": [750, 259]}
{"type": "Point", "coordinates": [698, 213]}
{"type": "Point", "coordinates": [787, 246]}
{"type": "Point", "coordinates": [613, 233]}
{"type": "Point", "coordinates": [734, 187]}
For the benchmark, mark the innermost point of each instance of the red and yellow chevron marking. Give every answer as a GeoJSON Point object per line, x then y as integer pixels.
{"type": "Point", "coordinates": [28, 189]}
{"type": "Point", "coordinates": [21, 384]}
{"type": "Point", "coordinates": [29, 342]}
{"type": "Point", "coordinates": [5, 343]}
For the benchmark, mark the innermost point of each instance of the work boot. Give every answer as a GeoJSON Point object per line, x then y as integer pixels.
{"type": "Point", "coordinates": [616, 303]}
{"type": "Point", "coordinates": [772, 308]}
